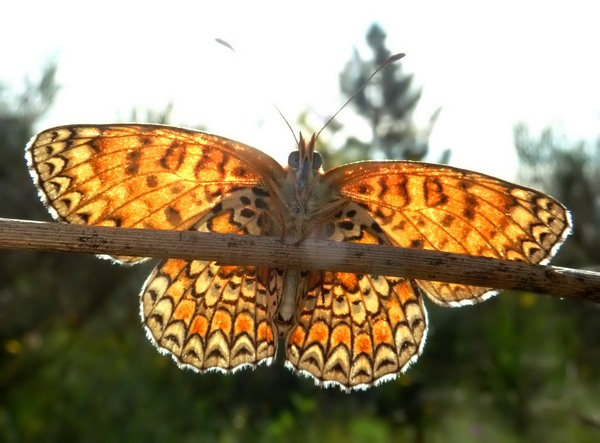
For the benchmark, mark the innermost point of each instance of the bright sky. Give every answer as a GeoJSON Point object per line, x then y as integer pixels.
{"type": "Point", "coordinates": [488, 64]}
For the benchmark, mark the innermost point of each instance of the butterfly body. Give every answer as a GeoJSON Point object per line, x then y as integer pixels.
{"type": "Point", "coordinates": [346, 330]}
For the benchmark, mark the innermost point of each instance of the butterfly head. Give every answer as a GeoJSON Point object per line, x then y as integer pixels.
{"type": "Point", "coordinates": [305, 163]}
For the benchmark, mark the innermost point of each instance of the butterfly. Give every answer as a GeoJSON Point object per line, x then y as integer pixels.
{"type": "Point", "coordinates": [346, 330]}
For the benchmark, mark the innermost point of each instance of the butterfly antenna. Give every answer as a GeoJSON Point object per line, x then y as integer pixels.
{"type": "Point", "coordinates": [232, 49]}
{"type": "Point", "coordinates": [287, 123]}
{"type": "Point", "coordinates": [224, 43]}
{"type": "Point", "coordinates": [391, 59]}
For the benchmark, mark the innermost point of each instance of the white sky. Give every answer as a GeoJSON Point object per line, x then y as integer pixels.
{"type": "Point", "coordinates": [488, 64]}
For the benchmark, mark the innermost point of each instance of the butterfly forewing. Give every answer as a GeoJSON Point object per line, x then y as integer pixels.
{"type": "Point", "coordinates": [145, 176]}
{"type": "Point", "coordinates": [447, 209]}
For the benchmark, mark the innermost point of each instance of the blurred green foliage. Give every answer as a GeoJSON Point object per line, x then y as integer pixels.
{"type": "Point", "coordinates": [75, 364]}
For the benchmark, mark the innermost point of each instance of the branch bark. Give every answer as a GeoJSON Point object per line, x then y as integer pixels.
{"type": "Point", "coordinates": [309, 255]}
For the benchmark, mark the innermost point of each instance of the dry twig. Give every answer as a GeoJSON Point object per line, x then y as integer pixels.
{"type": "Point", "coordinates": [309, 254]}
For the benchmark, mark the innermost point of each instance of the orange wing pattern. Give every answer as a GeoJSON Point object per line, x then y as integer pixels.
{"type": "Point", "coordinates": [208, 316]}
{"type": "Point", "coordinates": [145, 176]}
{"type": "Point", "coordinates": [355, 331]}
{"type": "Point", "coordinates": [419, 205]}
{"type": "Point", "coordinates": [346, 330]}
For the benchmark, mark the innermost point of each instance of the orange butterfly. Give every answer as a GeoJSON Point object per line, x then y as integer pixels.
{"type": "Point", "coordinates": [342, 329]}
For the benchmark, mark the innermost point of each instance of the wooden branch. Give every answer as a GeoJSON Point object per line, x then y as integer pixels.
{"type": "Point", "coordinates": [309, 255]}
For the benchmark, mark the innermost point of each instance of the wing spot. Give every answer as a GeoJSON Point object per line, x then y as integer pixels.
{"type": "Point", "coordinates": [471, 201]}
{"type": "Point", "coordinates": [417, 243]}
{"type": "Point", "coordinates": [376, 228]}
{"type": "Point", "coordinates": [85, 217]}
{"type": "Point", "coordinates": [156, 318]}
{"type": "Point", "coordinates": [260, 221]}
{"type": "Point", "coordinates": [364, 189]}
{"type": "Point", "coordinates": [434, 192]}
{"type": "Point", "coordinates": [152, 294]}
{"type": "Point", "coordinates": [247, 213]}
{"type": "Point", "coordinates": [468, 213]}
{"type": "Point", "coordinates": [151, 181]}
{"type": "Point", "coordinates": [383, 187]}
{"type": "Point", "coordinates": [239, 172]}
{"type": "Point", "coordinates": [260, 192]}
{"type": "Point", "coordinates": [346, 224]}
{"type": "Point", "coordinates": [202, 162]}
{"type": "Point", "coordinates": [173, 216]}
{"type": "Point", "coordinates": [261, 203]}
{"type": "Point", "coordinates": [133, 161]}
{"type": "Point", "coordinates": [118, 221]}
{"type": "Point", "coordinates": [174, 156]}
{"type": "Point", "coordinates": [448, 220]}
{"type": "Point", "coordinates": [191, 354]}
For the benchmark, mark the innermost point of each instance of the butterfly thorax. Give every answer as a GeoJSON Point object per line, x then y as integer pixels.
{"type": "Point", "coordinates": [307, 203]}
{"type": "Point", "coordinates": [301, 190]}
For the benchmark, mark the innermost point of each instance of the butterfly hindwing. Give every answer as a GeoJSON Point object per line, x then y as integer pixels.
{"type": "Point", "coordinates": [210, 316]}
{"type": "Point", "coordinates": [356, 330]}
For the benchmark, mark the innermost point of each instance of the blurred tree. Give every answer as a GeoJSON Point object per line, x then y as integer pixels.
{"type": "Point", "coordinates": [18, 114]}
{"type": "Point", "coordinates": [46, 299]}
{"type": "Point", "coordinates": [386, 104]}
{"type": "Point", "coordinates": [543, 355]}
{"type": "Point", "coordinates": [162, 117]}
{"type": "Point", "coordinates": [570, 173]}
{"type": "Point", "coordinates": [526, 362]}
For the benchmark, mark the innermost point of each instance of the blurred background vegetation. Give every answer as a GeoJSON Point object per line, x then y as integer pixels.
{"type": "Point", "coordinates": [75, 364]}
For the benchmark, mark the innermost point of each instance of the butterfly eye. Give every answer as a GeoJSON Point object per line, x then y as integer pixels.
{"type": "Point", "coordinates": [317, 161]}
{"type": "Point", "coordinates": [294, 160]}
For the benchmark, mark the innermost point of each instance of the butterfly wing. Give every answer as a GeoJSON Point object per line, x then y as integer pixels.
{"type": "Point", "coordinates": [146, 176]}
{"type": "Point", "coordinates": [353, 330]}
{"type": "Point", "coordinates": [213, 317]}
{"type": "Point", "coordinates": [447, 209]}
{"type": "Point", "coordinates": [209, 317]}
